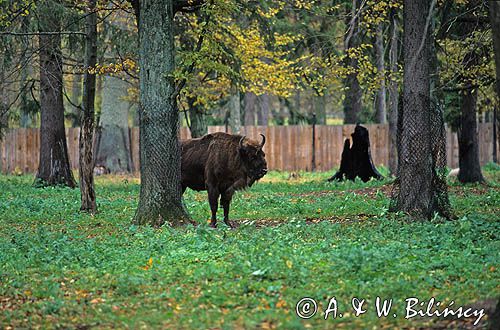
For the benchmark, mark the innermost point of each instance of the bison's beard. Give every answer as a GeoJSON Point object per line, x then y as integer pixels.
{"type": "Point", "coordinates": [258, 174]}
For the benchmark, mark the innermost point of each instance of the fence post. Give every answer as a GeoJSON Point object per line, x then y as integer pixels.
{"type": "Point", "coordinates": [313, 158]}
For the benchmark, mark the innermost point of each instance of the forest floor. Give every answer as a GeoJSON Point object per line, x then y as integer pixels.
{"type": "Point", "coordinates": [296, 237]}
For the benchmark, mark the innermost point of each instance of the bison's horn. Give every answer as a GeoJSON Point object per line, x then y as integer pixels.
{"type": "Point", "coordinates": [241, 141]}
{"type": "Point", "coordinates": [263, 140]}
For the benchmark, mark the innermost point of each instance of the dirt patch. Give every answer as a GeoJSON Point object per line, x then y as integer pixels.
{"type": "Point", "coordinates": [370, 192]}
{"type": "Point", "coordinates": [272, 222]}
{"type": "Point", "coordinates": [476, 190]}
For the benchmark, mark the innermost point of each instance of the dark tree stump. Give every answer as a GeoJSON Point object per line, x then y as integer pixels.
{"type": "Point", "coordinates": [356, 160]}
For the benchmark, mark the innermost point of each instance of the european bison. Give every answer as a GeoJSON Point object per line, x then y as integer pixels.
{"type": "Point", "coordinates": [222, 163]}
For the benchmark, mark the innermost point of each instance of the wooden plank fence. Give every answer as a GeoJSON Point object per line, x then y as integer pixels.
{"type": "Point", "coordinates": [287, 148]}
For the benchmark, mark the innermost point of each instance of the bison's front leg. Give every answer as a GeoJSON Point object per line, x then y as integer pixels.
{"type": "Point", "coordinates": [213, 200]}
{"type": "Point", "coordinates": [226, 201]}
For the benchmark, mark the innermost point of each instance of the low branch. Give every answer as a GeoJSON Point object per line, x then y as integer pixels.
{"type": "Point", "coordinates": [41, 33]}
{"type": "Point", "coordinates": [469, 86]}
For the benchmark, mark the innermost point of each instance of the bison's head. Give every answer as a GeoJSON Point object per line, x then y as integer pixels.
{"type": "Point", "coordinates": [253, 157]}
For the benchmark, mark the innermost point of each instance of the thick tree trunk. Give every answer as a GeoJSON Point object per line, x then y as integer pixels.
{"type": "Point", "coordinates": [113, 155]}
{"type": "Point", "coordinates": [380, 102]}
{"type": "Point", "coordinates": [415, 174]}
{"type": "Point", "coordinates": [495, 27]}
{"type": "Point", "coordinates": [263, 113]}
{"type": "Point", "coordinates": [352, 101]}
{"type": "Point", "coordinates": [393, 93]}
{"type": "Point", "coordinates": [468, 147]}
{"type": "Point", "coordinates": [87, 192]}
{"type": "Point", "coordinates": [54, 166]}
{"type": "Point", "coordinates": [235, 112]}
{"type": "Point", "coordinates": [353, 93]}
{"type": "Point", "coordinates": [249, 101]}
{"type": "Point", "coordinates": [160, 153]}
{"type": "Point", "coordinates": [198, 124]}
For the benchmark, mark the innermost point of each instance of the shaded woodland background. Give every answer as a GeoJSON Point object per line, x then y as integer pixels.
{"type": "Point", "coordinates": [248, 63]}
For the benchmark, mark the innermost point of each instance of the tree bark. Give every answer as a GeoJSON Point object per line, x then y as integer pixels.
{"type": "Point", "coordinates": [113, 154]}
{"type": "Point", "coordinates": [54, 166]}
{"type": "Point", "coordinates": [380, 101]}
{"type": "Point", "coordinates": [198, 124]}
{"type": "Point", "coordinates": [4, 122]}
{"type": "Point", "coordinates": [393, 90]}
{"type": "Point", "coordinates": [495, 27]}
{"type": "Point", "coordinates": [263, 113]}
{"type": "Point", "coordinates": [468, 145]}
{"type": "Point", "coordinates": [353, 93]}
{"type": "Point", "coordinates": [26, 119]}
{"type": "Point", "coordinates": [249, 101]}
{"type": "Point", "coordinates": [86, 161]}
{"type": "Point", "coordinates": [160, 198]}
{"type": "Point", "coordinates": [415, 174]}
{"type": "Point", "coordinates": [234, 112]}
{"type": "Point", "coordinates": [76, 95]}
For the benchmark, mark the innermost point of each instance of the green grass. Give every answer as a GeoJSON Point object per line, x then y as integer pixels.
{"type": "Point", "coordinates": [297, 237]}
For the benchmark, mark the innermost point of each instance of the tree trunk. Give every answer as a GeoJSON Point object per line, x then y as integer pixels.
{"type": "Point", "coordinates": [468, 145]}
{"type": "Point", "coordinates": [4, 122]}
{"type": "Point", "coordinates": [380, 102]}
{"type": "Point", "coordinates": [54, 166]}
{"type": "Point", "coordinates": [113, 155]}
{"type": "Point", "coordinates": [249, 101]}
{"type": "Point", "coordinates": [393, 93]}
{"type": "Point", "coordinates": [26, 118]}
{"type": "Point", "coordinates": [320, 107]}
{"type": "Point", "coordinates": [160, 199]}
{"type": "Point", "coordinates": [234, 112]}
{"type": "Point", "coordinates": [76, 94]}
{"type": "Point", "coordinates": [198, 124]}
{"type": "Point", "coordinates": [88, 203]}
{"type": "Point", "coordinates": [280, 114]}
{"type": "Point", "coordinates": [3, 104]}
{"type": "Point", "coordinates": [263, 113]}
{"type": "Point", "coordinates": [295, 109]}
{"type": "Point", "coordinates": [415, 175]}
{"type": "Point", "coordinates": [353, 93]}
{"type": "Point", "coordinates": [495, 27]}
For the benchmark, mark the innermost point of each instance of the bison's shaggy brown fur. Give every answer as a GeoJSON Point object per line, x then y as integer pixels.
{"type": "Point", "coordinates": [221, 163]}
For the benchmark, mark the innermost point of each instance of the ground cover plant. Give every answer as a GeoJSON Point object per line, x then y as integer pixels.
{"type": "Point", "coordinates": [298, 236]}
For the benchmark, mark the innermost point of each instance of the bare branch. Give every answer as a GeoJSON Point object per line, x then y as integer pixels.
{"type": "Point", "coordinates": [41, 33]}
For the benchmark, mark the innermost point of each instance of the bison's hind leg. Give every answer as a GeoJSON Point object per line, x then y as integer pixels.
{"type": "Point", "coordinates": [226, 201]}
{"type": "Point", "coordinates": [213, 200]}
